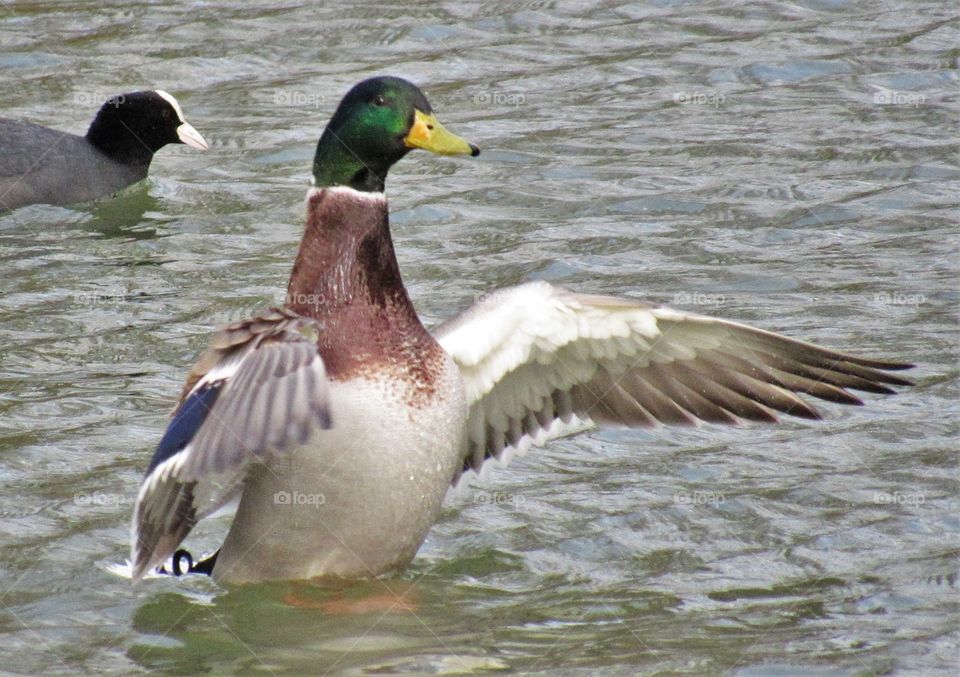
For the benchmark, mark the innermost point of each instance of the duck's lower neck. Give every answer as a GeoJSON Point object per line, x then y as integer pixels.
{"type": "Point", "coordinates": [346, 276]}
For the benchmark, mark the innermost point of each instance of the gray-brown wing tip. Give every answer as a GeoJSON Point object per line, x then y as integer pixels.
{"type": "Point", "coordinates": [883, 365]}
{"type": "Point", "coordinates": [899, 380]}
{"type": "Point", "coordinates": [874, 387]}
{"type": "Point", "coordinates": [140, 563]}
{"type": "Point", "coordinates": [138, 570]}
{"type": "Point", "coordinates": [879, 377]}
{"type": "Point", "coordinates": [149, 555]}
{"type": "Point", "coordinates": [809, 413]}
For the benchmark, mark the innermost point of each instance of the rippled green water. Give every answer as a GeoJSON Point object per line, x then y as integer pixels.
{"type": "Point", "coordinates": [790, 165]}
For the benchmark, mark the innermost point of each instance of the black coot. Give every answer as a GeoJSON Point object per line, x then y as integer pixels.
{"type": "Point", "coordinates": [39, 164]}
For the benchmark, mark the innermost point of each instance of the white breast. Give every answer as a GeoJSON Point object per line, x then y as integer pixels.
{"type": "Point", "coordinates": [360, 498]}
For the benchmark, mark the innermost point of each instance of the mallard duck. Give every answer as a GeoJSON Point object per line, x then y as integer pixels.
{"type": "Point", "coordinates": [339, 421]}
{"type": "Point", "coordinates": [43, 165]}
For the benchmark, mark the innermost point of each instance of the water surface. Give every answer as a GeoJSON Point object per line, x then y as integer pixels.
{"type": "Point", "coordinates": [789, 165]}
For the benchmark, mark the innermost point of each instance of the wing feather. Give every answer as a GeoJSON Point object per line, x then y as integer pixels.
{"type": "Point", "coordinates": [539, 361]}
{"type": "Point", "coordinates": [268, 395]}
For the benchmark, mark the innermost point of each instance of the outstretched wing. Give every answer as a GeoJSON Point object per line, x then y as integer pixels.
{"type": "Point", "coordinates": [259, 391]}
{"type": "Point", "coordinates": [540, 362]}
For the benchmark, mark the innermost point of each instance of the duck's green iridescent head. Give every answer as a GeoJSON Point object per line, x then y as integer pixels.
{"type": "Point", "coordinates": [378, 122]}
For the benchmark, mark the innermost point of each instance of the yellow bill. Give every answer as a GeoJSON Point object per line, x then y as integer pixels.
{"type": "Point", "coordinates": [429, 134]}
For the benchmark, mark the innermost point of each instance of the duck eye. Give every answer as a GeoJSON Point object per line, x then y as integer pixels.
{"type": "Point", "coordinates": [379, 101]}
